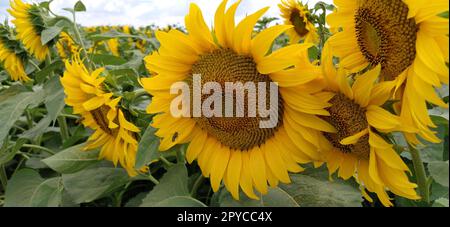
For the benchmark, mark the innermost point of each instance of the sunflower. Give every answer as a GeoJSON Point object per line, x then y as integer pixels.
{"type": "Point", "coordinates": [29, 25]}
{"type": "Point", "coordinates": [236, 150]}
{"type": "Point", "coordinates": [126, 29]}
{"type": "Point", "coordinates": [11, 56]}
{"type": "Point", "coordinates": [66, 46]}
{"type": "Point", "coordinates": [409, 40]}
{"type": "Point", "coordinates": [295, 13]}
{"type": "Point", "coordinates": [358, 148]}
{"type": "Point", "coordinates": [113, 46]}
{"type": "Point", "coordinates": [113, 133]}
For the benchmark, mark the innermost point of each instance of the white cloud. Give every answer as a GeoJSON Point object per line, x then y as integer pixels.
{"type": "Point", "coordinates": [145, 12]}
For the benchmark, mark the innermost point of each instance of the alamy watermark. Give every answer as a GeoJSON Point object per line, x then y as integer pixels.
{"type": "Point", "coordinates": [232, 97]}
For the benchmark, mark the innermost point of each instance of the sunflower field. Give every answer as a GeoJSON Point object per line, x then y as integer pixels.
{"type": "Point", "coordinates": [360, 120]}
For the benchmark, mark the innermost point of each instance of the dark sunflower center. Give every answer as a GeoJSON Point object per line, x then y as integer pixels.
{"type": "Point", "coordinates": [349, 119]}
{"type": "Point", "coordinates": [99, 116]}
{"type": "Point", "coordinates": [299, 24]}
{"type": "Point", "coordinates": [240, 133]}
{"type": "Point", "coordinates": [386, 36]}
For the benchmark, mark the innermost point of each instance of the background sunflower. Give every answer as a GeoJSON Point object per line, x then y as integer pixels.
{"type": "Point", "coordinates": [410, 41]}
{"type": "Point", "coordinates": [358, 149]}
{"type": "Point", "coordinates": [297, 14]}
{"type": "Point", "coordinates": [99, 111]}
{"type": "Point", "coordinates": [29, 25]}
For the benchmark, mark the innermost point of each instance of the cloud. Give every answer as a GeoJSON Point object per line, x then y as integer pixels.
{"type": "Point", "coordinates": [145, 12]}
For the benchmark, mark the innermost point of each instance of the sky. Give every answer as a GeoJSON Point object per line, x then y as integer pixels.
{"type": "Point", "coordinates": [146, 12]}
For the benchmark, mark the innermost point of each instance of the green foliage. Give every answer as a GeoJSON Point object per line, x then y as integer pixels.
{"type": "Point", "coordinates": [12, 108]}
{"type": "Point", "coordinates": [315, 189]}
{"type": "Point", "coordinates": [72, 159]}
{"type": "Point", "coordinates": [43, 162]}
{"type": "Point", "coordinates": [276, 197]}
{"type": "Point", "coordinates": [172, 190]}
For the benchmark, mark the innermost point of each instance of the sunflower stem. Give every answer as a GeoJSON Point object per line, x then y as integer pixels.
{"type": "Point", "coordinates": [421, 175]}
{"type": "Point", "coordinates": [197, 185]}
{"type": "Point", "coordinates": [71, 116]}
{"type": "Point", "coordinates": [180, 155]}
{"type": "Point", "coordinates": [3, 177]}
{"type": "Point", "coordinates": [29, 119]}
{"type": "Point", "coordinates": [63, 128]}
{"type": "Point", "coordinates": [80, 41]}
{"type": "Point", "coordinates": [32, 146]}
{"type": "Point", "coordinates": [165, 161]}
{"type": "Point", "coordinates": [153, 179]}
{"type": "Point", "coordinates": [35, 65]}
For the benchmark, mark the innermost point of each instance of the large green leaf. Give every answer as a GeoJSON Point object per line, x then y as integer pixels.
{"type": "Point", "coordinates": [54, 100]}
{"type": "Point", "coordinates": [439, 172]}
{"type": "Point", "coordinates": [48, 194]}
{"type": "Point", "coordinates": [148, 148]}
{"type": "Point", "coordinates": [12, 108]}
{"type": "Point", "coordinates": [180, 201]}
{"type": "Point", "coordinates": [431, 152]}
{"type": "Point", "coordinates": [173, 184]}
{"type": "Point", "coordinates": [276, 197]}
{"type": "Point", "coordinates": [115, 34]}
{"type": "Point", "coordinates": [45, 72]}
{"type": "Point", "coordinates": [94, 183]}
{"type": "Point", "coordinates": [7, 154]}
{"type": "Point", "coordinates": [40, 128]}
{"type": "Point", "coordinates": [49, 34]}
{"type": "Point", "coordinates": [72, 160]}
{"type": "Point", "coordinates": [314, 189]}
{"type": "Point", "coordinates": [21, 188]}
{"type": "Point", "coordinates": [54, 103]}
{"type": "Point", "coordinates": [106, 59]}
{"type": "Point", "coordinates": [11, 91]}
{"type": "Point", "coordinates": [438, 191]}
{"type": "Point", "coordinates": [441, 202]}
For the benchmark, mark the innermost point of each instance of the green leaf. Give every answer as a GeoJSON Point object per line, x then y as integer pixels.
{"type": "Point", "coordinates": [12, 108]}
{"type": "Point", "coordinates": [48, 193]}
{"type": "Point", "coordinates": [72, 159]}
{"type": "Point", "coordinates": [106, 59]}
{"type": "Point", "coordinates": [115, 34]}
{"type": "Point", "coordinates": [21, 188]}
{"type": "Point", "coordinates": [40, 128]}
{"type": "Point", "coordinates": [77, 134]}
{"type": "Point", "coordinates": [7, 155]}
{"type": "Point", "coordinates": [314, 189]}
{"type": "Point", "coordinates": [276, 197]}
{"type": "Point", "coordinates": [313, 53]}
{"type": "Point", "coordinates": [430, 152]}
{"type": "Point", "coordinates": [444, 14]}
{"type": "Point", "coordinates": [174, 183]}
{"type": "Point", "coordinates": [49, 34]}
{"type": "Point", "coordinates": [11, 91]}
{"type": "Point", "coordinates": [54, 101]}
{"type": "Point", "coordinates": [45, 72]}
{"type": "Point", "coordinates": [45, 5]}
{"type": "Point", "coordinates": [79, 7]}
{"type": "Point", "coordinates": [36, 163]}
{"type": "Point", "coordinates": [148, 148]}
{"type": "Point", "coordinates": [438, 191]}
{"type": "Point", "coordinates": [136, 201]}
{"type": "Point", "coordinates": [94, 183]}
{"type": "Point", "coordinates": [441, 202]}
{"type": "Point", "coordinates": [180, 201]}
{"type": "Point", "coordinates": [439, 172]}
